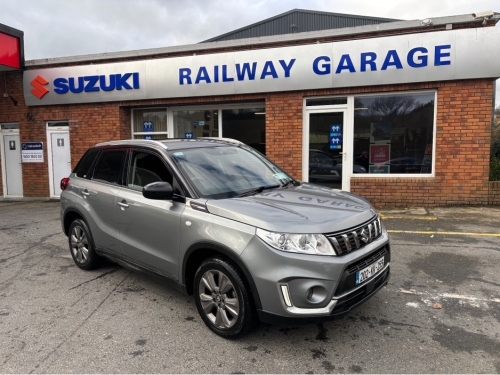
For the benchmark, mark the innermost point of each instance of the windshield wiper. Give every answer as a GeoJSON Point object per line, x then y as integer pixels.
{"type": "Point", "coordinates": [288, 183]}
{"type": "Point", "coordinates": [256, 191]}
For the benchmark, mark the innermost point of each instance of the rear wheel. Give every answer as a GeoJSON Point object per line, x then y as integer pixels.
{"type": "Point", "coordinates": [222, 298]}
{"type": "Point", "coordinates": [81, 245]}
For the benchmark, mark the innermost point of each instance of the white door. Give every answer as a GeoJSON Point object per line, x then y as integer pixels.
{"type": "Point", "coordinates": [13, 184]}
{"type": "Point", "coordinates": [60, 160]}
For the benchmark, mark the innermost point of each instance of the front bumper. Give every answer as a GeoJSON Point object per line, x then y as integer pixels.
{"type": "Point", "coordinates": [299, 288]}
{"type": "Point", "coordinates": [340, 306]}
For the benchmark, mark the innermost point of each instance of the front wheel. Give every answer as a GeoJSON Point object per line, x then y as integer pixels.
{"type": "Point", "coordinates": [222, 298]}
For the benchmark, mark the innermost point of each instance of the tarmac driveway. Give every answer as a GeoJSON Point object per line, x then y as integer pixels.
{"type": "Point", "coordinates": [56, 318]}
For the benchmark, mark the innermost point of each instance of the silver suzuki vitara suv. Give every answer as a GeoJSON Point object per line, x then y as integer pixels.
{"type": "Point", "coordinates": [218, 220]}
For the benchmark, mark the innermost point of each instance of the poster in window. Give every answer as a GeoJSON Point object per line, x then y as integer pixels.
{"type": "Point", "coordinates": [380, 132]}
{"type": "Point", "coordinates": [380, 154]}
{"type": "Point", "coordinates": [379, 169]}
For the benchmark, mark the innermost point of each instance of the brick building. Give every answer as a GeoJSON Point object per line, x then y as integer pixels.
{"type": "Point", "coordinates": [399, 112]}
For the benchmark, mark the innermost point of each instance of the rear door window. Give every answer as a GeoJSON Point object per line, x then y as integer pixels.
{"type": "Point", "coordinates": [109, 167]}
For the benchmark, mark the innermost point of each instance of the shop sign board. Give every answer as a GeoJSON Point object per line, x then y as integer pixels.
{"type": "Point", "coordinates": [419, 57]}
{"type": "Point", "coordinates": [32, 152]}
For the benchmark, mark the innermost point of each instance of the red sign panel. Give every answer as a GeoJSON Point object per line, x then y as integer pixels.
{"type": "Point", "coordinates": [10, 54]}
{"type": "Point", "coordinates": [380, 154]}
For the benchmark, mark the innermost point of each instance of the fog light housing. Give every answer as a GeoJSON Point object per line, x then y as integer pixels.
{"type": "Point", "coordinates": [316, 294]}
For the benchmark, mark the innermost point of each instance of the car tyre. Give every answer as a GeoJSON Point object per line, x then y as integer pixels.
{"type": "Point", "coordinates": [81, 245]}
{"type": "Point", "coordinates": [222, 298]}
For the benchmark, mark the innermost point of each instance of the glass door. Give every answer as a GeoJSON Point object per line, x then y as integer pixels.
{"type": "Point", "coordinates": [324, 155]}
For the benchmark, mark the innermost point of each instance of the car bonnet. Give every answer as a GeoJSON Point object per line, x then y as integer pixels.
{"type": "Point", "coordinates": [302, 209]}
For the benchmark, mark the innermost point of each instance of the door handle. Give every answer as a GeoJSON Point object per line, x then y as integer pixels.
{"type": "Point", "coordinates": [85, 192]}
{"type": "Point", "coordinates": [123, 204]}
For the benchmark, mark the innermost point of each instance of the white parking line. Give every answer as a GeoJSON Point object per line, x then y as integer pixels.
{"type": "Point", "coordinates": [449, 295]}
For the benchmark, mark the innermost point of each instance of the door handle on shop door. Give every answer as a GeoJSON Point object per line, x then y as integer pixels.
{"type": "Point", "coordinates": [123, 204]}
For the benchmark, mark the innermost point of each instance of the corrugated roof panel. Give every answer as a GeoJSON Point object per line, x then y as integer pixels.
{"type": "Point", "coordinates": [298, 21]}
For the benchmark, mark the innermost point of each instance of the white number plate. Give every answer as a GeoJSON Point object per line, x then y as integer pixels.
{"type": "Point", "coordinates": [369, 271]}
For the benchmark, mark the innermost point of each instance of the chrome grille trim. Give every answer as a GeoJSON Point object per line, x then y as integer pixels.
{"type": "Point", "coordinates": [356, 239]}
{"type": "Point", "coordinates": [347, 242]}
{"type": "Point", "coordinates": [336, 245]}
{"type": "Point", "coordinates": [352, 240]}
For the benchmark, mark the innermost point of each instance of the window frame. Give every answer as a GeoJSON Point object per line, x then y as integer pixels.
{"type": "Point", "coordinates": [434, 128]}
{"type": "Point", "coordinates": [349, 141]}
{"type": "Point", "coordinates": [166, 133]}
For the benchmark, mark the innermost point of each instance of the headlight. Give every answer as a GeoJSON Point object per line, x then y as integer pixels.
{"type": "Point", "coordinates": [315, 244]}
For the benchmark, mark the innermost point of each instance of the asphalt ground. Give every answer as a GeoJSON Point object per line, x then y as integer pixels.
{"type": "Point", "coordinates": [56, 318]}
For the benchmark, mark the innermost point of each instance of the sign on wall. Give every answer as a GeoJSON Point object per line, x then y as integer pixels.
{"type": "Point", "coordinates": [147, 127]}
{"type": "Point", "coordinates": [420, 57]}
{"type": "Point", "coordinates": [32, 152]}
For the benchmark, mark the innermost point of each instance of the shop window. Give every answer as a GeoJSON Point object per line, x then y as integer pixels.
{"type": "Point", "coordinates": [393, 134]}
{"type": "Point", "coordinates": [247, 125]}
{"type": "Point", "coordinates": [196, 123]}
{"type": "Point", "coordinates": [149, 123]}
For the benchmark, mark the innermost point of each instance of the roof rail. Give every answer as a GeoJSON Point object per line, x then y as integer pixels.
{"type": "Point", "coordinates": [227, 140]}
{"type": "Point", "coordinates": [133, 142]}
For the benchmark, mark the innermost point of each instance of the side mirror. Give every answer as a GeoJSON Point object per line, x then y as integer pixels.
{"type": "Point", "coordinates": [158, 190]}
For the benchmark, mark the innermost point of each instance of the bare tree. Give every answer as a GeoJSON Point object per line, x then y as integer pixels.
{"type": "Point", "coordinates": [389, 107]}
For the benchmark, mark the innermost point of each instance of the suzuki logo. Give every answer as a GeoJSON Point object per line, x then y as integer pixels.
{"type": "Point", "coordinates": [39, 91]}
{"type": "Point", "coordinates": [364, 236]}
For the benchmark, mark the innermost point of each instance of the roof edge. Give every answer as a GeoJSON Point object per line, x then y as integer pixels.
{"type": "Point", "coordinates": [259, 41]}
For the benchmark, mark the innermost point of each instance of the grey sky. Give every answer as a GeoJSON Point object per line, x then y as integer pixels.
{"type": "Point", "coordinates": [54, 28]}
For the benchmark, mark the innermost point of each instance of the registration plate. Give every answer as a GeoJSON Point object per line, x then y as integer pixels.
{"type": "Point", "coordinates": [369, 271]}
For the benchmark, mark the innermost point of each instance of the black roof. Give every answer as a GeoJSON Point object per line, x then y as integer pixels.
{"type": "Point", "coordinates": [297, 21]}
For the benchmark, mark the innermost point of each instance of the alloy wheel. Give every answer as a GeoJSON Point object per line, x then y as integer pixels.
{"type": "Point", "coordinates": [79, 244]}
{"type": "Point", "coordinates": [219, 299]}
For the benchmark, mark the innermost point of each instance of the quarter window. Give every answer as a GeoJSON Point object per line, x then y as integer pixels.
{"type": "Point", "coordinates": [83, 167]}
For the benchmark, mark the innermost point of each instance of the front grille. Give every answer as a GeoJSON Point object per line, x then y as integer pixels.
{"type": "Point", "coordinates": [348, 279]}
{"type": "Point", "coordinates": [365, 262]}
{"type": "Point", "coordinates": [346, 302]}
{"type": "Point", "coordinates": [357, 238]}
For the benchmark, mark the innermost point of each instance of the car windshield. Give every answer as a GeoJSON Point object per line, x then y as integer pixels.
{"type": "Point", "coordinates": [227, 171]}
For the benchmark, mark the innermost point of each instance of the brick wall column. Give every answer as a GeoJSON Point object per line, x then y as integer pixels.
{"type": "Point", "coordinates": [284, 131]}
